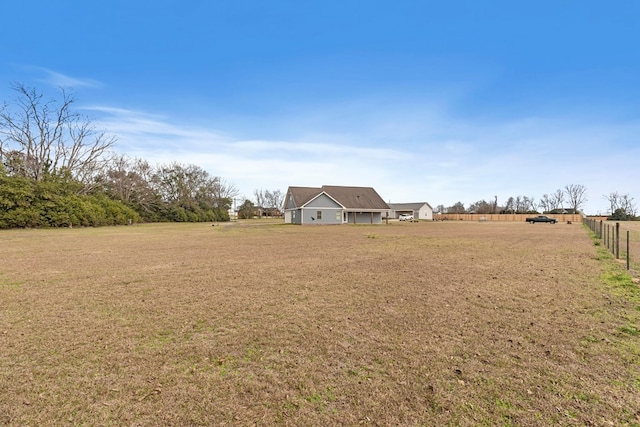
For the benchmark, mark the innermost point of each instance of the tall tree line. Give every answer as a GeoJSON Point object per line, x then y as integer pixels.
{"type": "Point", "coordinates": [168, 192]}
{"type": "Point", "coordinates": [58, 169]}
{"type": "Point", "coordinates": [572, 196]}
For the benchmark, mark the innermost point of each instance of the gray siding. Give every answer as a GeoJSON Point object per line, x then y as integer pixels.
{"type": "Point", "coordinates": [323, 201]}
{"type": "Point", "coordinates": [291, 204]}
{"type": "Point", "coordinates": [328, 216]}
{"type": "Point", "coordinates": [365, 218]}
{"type": "Point", "coordinates": [296, 216]}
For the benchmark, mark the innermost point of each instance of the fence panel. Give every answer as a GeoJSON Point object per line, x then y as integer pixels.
{"type": "Point", "coordinates": [577, 218]}
{"type": "Point", "coordinates": [622, 238]}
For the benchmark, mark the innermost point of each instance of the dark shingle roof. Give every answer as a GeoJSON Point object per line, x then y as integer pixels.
{"type": "Point", "coordinates": [364, 198]}
{"type": "Point", "coordinates": [302, 195]}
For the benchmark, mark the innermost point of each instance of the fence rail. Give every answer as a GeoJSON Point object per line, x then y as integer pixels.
{"type": "Point", "coordinates": [622, 239]}
{"type": "Point", "coordinates": [577, 218]}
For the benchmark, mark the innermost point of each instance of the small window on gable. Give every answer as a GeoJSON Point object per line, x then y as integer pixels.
{"type": "Point", "coordinates": [319, 214]}
{"type": "Point", "coordinates": [338, 216]}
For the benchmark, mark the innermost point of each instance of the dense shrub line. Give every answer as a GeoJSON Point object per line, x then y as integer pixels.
{"type": "Point", "coordinates": [57, 201]}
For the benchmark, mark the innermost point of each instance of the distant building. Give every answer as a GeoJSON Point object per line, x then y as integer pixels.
{"type": "Point", "coordinates": [334, 205]}
{"type": "Point", "coordinates": [419, 210]}
{"type": "Point", "coordinates": [561, 211]}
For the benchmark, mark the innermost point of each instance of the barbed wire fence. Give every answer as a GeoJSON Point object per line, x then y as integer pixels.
{"type": "Point", "coordinates": [619, 241]}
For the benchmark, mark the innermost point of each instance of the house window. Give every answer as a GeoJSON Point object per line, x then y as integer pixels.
{"type": "Point", "coordinates": [319, 215]}
{"type": "Point", "coordinates": [338, 216]}
{"type": "Point", "coordinates": [293, 214]}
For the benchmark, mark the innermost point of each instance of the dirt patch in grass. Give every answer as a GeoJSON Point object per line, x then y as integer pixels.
{"type": "Point", "coordinates": [253, 324]}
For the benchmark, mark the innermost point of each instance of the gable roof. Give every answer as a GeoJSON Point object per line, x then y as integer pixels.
{"type": "Point", "coordinates": [302, 195]}
{"type": "Point", "coordinates": [408, 206]}
{"type": "Point", "coordinates": [362, 198]}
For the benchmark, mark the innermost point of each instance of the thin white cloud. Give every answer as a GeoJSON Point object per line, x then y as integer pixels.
{"type": "Point", "coordinates": [442, 165]}
{"type": "Point", "coordinates": [57, 79]}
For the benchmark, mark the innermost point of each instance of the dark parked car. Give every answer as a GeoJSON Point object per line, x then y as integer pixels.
{"type": "Point", "coordinates": [541, 218]}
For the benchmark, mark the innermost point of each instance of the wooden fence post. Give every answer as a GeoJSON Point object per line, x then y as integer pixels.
{"type": "Point", "coordinates": [617, 237]}
{"type": "Point", "coordinates": [600, 231]}
{"type": "Point", "coordinates": [628, 259]}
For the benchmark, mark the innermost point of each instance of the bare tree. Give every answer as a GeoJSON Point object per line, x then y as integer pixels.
{"type": "Point", "coordinates": [521, 204]}
{"type": "Point", "coordinates": [260, 198]}
{"type": "Point", "coordinates": [132, 181]}
{"type": "Point", "coordinates": [268, 202]}
{"type": "Point", "coordinates": [223, 191]}
{"type": "Point", "coordinates": [546, 203]}
{"type": "Point", "coordinates": [481, 207]}
{"type": "Point", "coordinates": [510, 205]}
{"type": "Point", "coordinates": [273, 199]}
{"type": "Point", "coordinates": [576, 195]}
{"type": "Point", "coordinates": [621, 202]}
{"type": "Point", "coordinates": [457, 208]}
{"type": "Point", "coordinates": [46, 136]}
{"type": "Point", "coordinates": [529, 204]}
{"type": "Point", "coordinates": [614, 201]}
{"type": "Point", "coordinates": [628, 205]}
{"type": "Point", "coordinates": [557, 199]}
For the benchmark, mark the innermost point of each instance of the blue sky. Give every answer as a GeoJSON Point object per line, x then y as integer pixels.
{"type": "Point", "coordinates": [423, 100]}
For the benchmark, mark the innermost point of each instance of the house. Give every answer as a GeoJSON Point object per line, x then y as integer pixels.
{"type": "Point", "coordinates": [420, 210]}
{"type": "Point", "coordinates": [562, 211]}
{"type": "Point", "coordinates": [334, 205]}
{"type": "Point", "coordinates": [267, 212]}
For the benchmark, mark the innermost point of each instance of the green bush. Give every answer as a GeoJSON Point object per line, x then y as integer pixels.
{"type": "Point", "coordinates": [54, 202]}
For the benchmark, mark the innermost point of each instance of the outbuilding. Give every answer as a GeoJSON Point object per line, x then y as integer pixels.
{"type": "Point", "coordinates": [419, 210]}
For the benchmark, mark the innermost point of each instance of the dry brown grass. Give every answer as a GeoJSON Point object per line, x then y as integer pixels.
{"type": "Point", "coordinates": [632, 230]}
{"type": "Point", "coordinates": [242, 324]}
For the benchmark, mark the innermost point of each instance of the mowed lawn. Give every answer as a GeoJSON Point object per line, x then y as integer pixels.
{"type": "Point", "coordinates": [243, 324]}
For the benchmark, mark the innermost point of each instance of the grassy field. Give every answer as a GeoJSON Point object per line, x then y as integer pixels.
{"type": "Point", "coordinates": [243, 324]}
{"type": "Point", "coordinates": [632, 230]}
